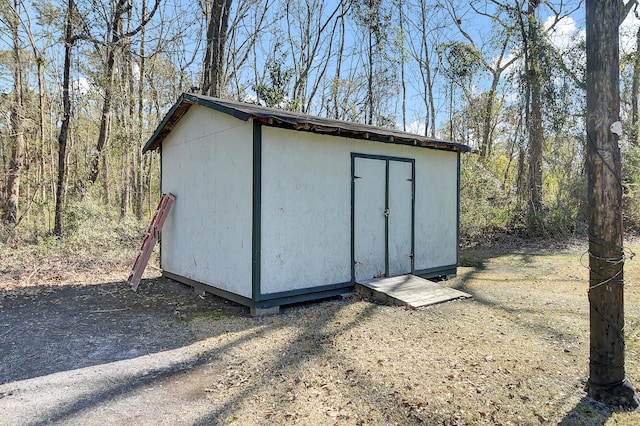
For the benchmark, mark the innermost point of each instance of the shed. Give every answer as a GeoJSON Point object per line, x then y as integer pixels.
{"type": "Point", "coordinates": [274, 207]}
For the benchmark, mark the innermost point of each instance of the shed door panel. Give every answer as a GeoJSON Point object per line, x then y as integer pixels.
{"type": "Point", "coordinates": [369, 221]}
{"type": "Point", "coordinates": [383, 217]}
{"type": "Point", "coordinates": [400, 217]}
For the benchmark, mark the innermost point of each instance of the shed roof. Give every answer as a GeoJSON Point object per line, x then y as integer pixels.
{"type": "Point", "coordinates": [291, 120]}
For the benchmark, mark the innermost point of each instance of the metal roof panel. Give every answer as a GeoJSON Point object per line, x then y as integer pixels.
{"type": "Point", "coordinates": [292, 120]}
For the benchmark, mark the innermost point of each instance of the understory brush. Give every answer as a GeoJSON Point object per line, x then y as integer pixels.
{"type": "Point", "coordinates": [97, 243]}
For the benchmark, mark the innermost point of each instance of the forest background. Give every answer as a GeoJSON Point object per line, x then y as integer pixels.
{"type": "Point", "coordinates": [84, 83]}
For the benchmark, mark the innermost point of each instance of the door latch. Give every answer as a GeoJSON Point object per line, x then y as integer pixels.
{"type": "Point", "coordinates": [386, 212]}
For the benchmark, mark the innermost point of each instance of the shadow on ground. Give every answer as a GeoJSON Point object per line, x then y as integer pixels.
{"type": "Point", "coordinates": [587, 412]}
{"type": "Point", "coordinates": [56, 329]}
{"type": "Point", "coordinates": [76, 327]}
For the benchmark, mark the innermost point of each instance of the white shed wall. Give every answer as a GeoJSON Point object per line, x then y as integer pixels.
{"type": "Point", "coordinates": [436, 233]}
{"type": "Point", "coordinates": [207, 163]}
{"type": "Point", "coordinates": [306, 207]}
{"type": "Point", "coordinates": [306, 211]}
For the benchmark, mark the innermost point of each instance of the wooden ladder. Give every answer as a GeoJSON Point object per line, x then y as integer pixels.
{"type": "Point", "coordinates": [150, 240]}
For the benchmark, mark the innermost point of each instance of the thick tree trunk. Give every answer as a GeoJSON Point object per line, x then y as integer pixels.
{"type": "Point", "coordinates": [534, 123]}
{"type": "Point", "coordinates": [607, 381]}
{"type": "Point", "coordinates": [10, 215]}
{"type": "Point", "coordinates": [216, 41]}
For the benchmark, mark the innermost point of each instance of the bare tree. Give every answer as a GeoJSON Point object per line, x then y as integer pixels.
{"type": "Point", "coordinates": [10, 214]}
{"type": "Point", "coordinates": [333, 111]}
{"type": "Point", "coordinates": [247, 26]}
{"type": "Point", "coordinates": [374, 19]}
{"type": "Point", "coordinates": [138, 161]}
{"type": "Point", "coordinates": [401, 45]}
{"type": "Point", "coordinates": [425, 32]}
{"type": "Point", "coordinates": [310, 36]}
{"type": "Point", "coordinates": [635, 92]}
{"type": "Point", "coordinates": [495, 63]}
{"type": "Point", "coordinates": [40, 60]}
{"type": "Point", "coordinates": [69, 40]}
{"type": "Point", "coordinates": [116, 35]}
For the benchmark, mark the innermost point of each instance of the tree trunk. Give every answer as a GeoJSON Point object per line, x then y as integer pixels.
{"type": "Point", "coordinates": [216, 41]}
{"type": "Point", "coordinates": [607, 381]}
{"type": "Point", "coordinates": [485, 149]}
{"type": "Point", "coordinates": [110, 74]}
{"type": "Point", "coordinates": [521, 180]}
{"type": "Point", "coordinates": [117, 35]}
{"type": "Point", "coordinates": [106, 189]}
{"type": "Point", "coordinates": [370, 80]}
{"type": "Point", "coordinates": [40, 63]}
{"type": "Point", "coordinates": [451, 112]}
{"type": "Point", "coordinates": [535, 220]}
{"type": "Point", "coordinates": [41, 125]}
{"type": "Point", "coordinates": [128, 122]}
{"type": "Point", "coordinates": [425, 72]}
{"type": "Point", "coordinates": [138, 169]}
{"type": "Point", "coordinates": [105, 122]}
{"type": "Point", "coordinates": [403, 81]}
{"type": "Point", "coordinates": [635, 89]}
{"type": "Point", "coordinates": [336, 79]}
{"type": "Point", "coordinates": [126, 185]}
{"type": "Point", "coordinates": [487, 130]}
{"type": "Point", "coordinates": [10, 215]}
{"type": "Point", "coordinates": [64, 128]}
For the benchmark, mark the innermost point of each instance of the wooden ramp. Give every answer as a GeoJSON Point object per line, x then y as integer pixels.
{"type": "Point", "coordinates": [408, 290]}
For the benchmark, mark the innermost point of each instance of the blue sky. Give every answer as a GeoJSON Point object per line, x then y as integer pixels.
{"type": "Point", "coordinates": [478, 27]}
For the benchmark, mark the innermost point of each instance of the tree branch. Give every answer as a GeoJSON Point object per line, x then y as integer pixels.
{"type": "Point", "coordinates": [625, 8]}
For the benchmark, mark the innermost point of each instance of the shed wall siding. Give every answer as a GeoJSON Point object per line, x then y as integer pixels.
{"type": "Point", "coordinates": [306, 211]}
{"type": "Point", "coordinates": [436, 233]}
{"type": "Point", "coordinates": [207, 164]}
{"type": "Point", "coordinates": [306, 207]}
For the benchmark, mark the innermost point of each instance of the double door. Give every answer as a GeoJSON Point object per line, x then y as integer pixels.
{"type": "Point", "coordinates": [382, 216]}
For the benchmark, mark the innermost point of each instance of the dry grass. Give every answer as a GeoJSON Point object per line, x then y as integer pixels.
{"type": "Point", "coordinates": [515, 354]}
{"type": "Point", "coordinates": [32, 268]}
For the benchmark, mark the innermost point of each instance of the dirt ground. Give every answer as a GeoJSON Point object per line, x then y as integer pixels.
{"type": "Point", "coordinates": [94, 352]}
